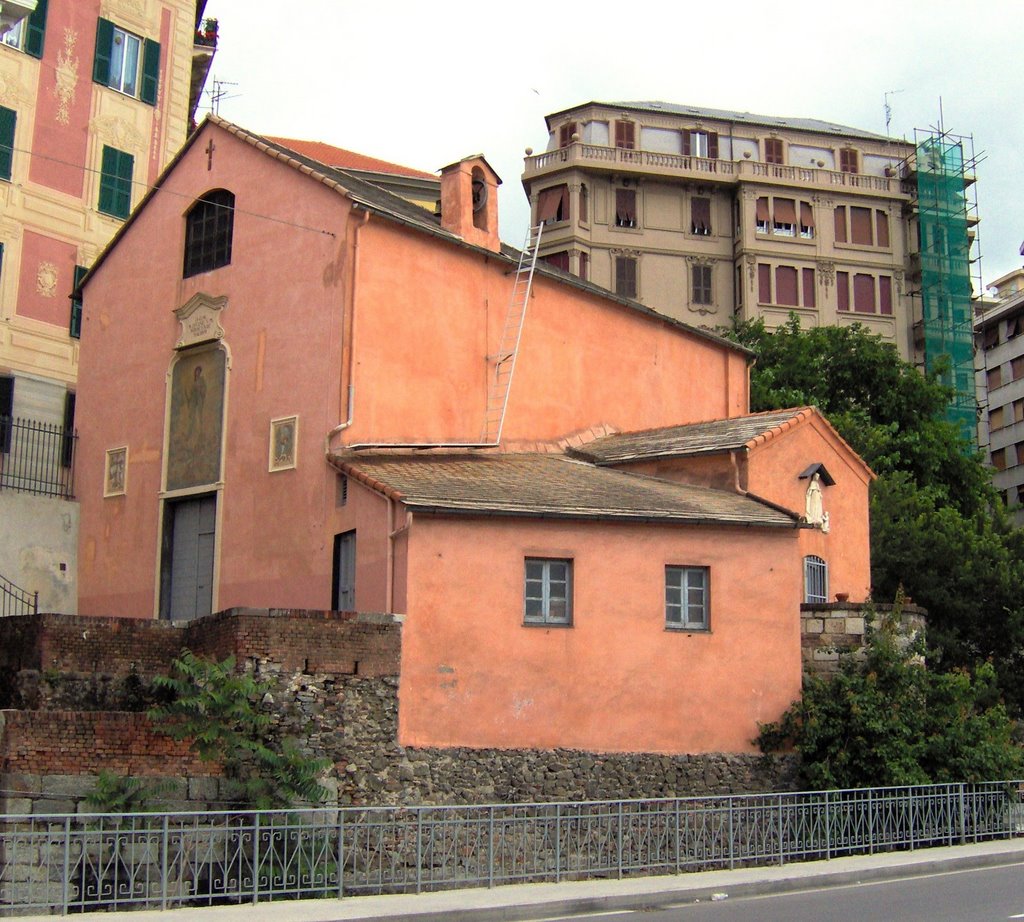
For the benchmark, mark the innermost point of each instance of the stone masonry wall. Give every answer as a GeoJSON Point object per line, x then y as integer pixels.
{"type": "Point", "coordinates": [828, 630]}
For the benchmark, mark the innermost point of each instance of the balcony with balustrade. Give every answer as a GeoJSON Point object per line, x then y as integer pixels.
{"type": "Point", "coordinates": [636, 163]}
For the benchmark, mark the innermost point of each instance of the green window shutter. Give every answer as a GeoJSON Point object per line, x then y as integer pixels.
{"type": "Point", "coordinates": [116, 182]}
{"type": "Point", "coordinates": [150, 71]}
{"type": "Point", "coordinates": [8, 118]}
{"type": "Point", "coordinates": [104, 45]}
{"type": "Point", "coordinates": [35, 34]}
{"type": "Point", "coordinates": [75, 326]}
{"type": "Point", "coordinates": [126, 168]}
{"type": "Point", "coordinates": [106, 204]}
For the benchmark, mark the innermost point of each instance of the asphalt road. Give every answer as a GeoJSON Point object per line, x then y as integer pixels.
{"type": "Point", "coordinates": [983, 895]}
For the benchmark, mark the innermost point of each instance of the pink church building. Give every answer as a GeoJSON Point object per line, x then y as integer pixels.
{"type": "Point", "coordinates": [300, 394]}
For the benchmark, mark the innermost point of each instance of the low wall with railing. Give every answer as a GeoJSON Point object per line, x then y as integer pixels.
{"type": "Point", "coordinates": [73, 863]}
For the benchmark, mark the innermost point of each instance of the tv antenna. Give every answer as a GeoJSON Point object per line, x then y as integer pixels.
{"type": "Point", "coordinates": [888, 108]}
{"type": "Point", "coordinates": [219, 93]}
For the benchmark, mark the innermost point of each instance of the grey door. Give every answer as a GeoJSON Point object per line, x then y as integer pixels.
{"type": "Point", "coordinates": [192, 532]}
{"type": "Point", "coordinates": [343, 598]}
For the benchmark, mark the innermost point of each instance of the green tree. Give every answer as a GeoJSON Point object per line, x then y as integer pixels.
{"type": "Point", "coordinates": [889, 412]}
{"type": "Point", "coordinates": [937, 528]}
{"type": "Point", "coordinates": [221, 712]}
{"type": "Point", "coordinates": [885, 719]}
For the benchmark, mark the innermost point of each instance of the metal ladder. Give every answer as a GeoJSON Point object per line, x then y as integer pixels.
{"type": "Point", "coordinates": [505, 358]}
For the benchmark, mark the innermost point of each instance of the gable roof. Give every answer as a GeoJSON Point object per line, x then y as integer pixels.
{"type": "Point", "coordinates": [392, 207]}
{"type": "Point", "coordinates": [348, 159]}
{"type": "Point", "coordinates": [814, 125]}
{"type": "Point", "coordinates": [549, 486]}
{"type": "Point", "coordinates": [713, 437]}
{"type": "Point", "coordinates": [718, 435]}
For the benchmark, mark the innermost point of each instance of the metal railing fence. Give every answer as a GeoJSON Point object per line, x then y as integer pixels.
{"type": "Point", "coordinates": [16, 601]}
{"type": "Point", "coordinates": [75, 863]}
{"type": "Point", "coordinates": [37, 457]}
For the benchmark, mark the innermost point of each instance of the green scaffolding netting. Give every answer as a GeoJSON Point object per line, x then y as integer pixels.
{"type": "Point", "coordinates": [946, 288]}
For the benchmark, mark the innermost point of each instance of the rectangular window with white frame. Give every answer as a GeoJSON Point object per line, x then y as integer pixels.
{"type": "Point", "coordinates": [687, 598]}
{"type": "Point", "coordinates": [126, 62]}
{"type": "Point", "coordinates": [548, 591]}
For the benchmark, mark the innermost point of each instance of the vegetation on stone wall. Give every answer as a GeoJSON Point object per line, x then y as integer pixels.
{"type": "Point", "coordinates": [115, 793]}
{"type": "Point", "coordinates": [885, 719]}
{"type": "Point", "coordinates": [938, 530]}
{"type": "Point", "coordinates": [226, 716]}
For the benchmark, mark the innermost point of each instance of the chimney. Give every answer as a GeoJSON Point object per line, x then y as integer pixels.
{"type": "Point", "coordinates": [469, 201]}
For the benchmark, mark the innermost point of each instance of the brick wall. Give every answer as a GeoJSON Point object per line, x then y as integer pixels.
{"type": "Point", "coordinates": [301, 641]}
{"type": "Point", "coordinates": [831, 629]}
{"type": "Point", "coordinates": [87, 742]}
{"type": "Point", "coordinates": [78, 644]}
{"type": "Point", "coordinates": [46, 661]}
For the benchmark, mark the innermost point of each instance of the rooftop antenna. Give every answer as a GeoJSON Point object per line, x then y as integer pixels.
{"type": "Point", "coordinates": [888, 108]}
{"type": "Point", "coordinates": [218, 93]}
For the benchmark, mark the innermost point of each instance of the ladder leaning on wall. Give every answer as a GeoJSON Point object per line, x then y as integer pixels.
{"type": "Point", "coordinates": [508, 348]}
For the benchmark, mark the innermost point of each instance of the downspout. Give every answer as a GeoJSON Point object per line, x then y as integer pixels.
{"type": "Point", "coordinates": [389, 587]}
{"type": "Point", "coordinates": [736, 473]}
{"type": "Point", "coordinates": [350, 375]}
{"type": "Point", "coordinates": [393, 533]}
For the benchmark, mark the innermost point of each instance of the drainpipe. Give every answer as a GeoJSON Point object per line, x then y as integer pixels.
{"type": "Point", "coordinates": [350, 376]}
{"type": "Point", "coordinates": [736, 473]}
{"type": "Point", "coordinates": [393, 533]}
{"type": "Point", "coordinates": [389, 589]}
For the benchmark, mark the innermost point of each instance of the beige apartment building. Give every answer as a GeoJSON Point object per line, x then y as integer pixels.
{"type": "Point", "coordinates": [707, 216]}
{"type": "Point", "coordinates": [999, 332]}
{"type": "Point", "coordinates": [96, 96]}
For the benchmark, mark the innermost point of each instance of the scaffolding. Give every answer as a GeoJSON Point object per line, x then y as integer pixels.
{"type": "Point", "coordinates": [946, 206]}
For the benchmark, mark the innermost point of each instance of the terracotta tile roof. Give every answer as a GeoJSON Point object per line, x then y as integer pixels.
{"type": "Point", "coordinates": [695, 439]}
{"type": "Point", "coordinates": [549, 486]}
{"type": "Point", "coordinates": [347, 159]}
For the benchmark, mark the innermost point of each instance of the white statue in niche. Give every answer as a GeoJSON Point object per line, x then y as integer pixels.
{"type": "Point", "coordinates": [814, 512]}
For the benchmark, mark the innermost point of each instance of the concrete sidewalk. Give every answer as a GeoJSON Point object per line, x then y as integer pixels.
{"type": "Point", "coordinates": [537, 901]}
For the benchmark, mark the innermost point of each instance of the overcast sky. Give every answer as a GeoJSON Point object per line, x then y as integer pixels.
{"type": "Point", "coordinates": [425, 84]}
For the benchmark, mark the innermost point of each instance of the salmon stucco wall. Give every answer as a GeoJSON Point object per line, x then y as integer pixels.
{"type": "Point", "coordinates": [430, 313]}
{"type": "Point", "coordinates": [717, 471]}
{"type": "Point", "coordinates": [47, 271]}
{"type": "Point", "coordinates": [59, 142]}
{"type": "Point", "coordinates": [474, 675]}
{"type": "Point", "coordinates": [773, 472]}
{"type": "Point", "coordinates": [282, 335]}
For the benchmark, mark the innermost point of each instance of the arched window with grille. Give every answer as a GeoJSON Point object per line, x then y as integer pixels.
{"type": "Point", "coordinates": [815, 579]}
{"type": "Point", "coordinates": [209, 225]}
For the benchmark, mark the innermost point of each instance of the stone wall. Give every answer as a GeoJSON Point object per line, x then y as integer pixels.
{"type": "Point", "coordinates": [828, 630]}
